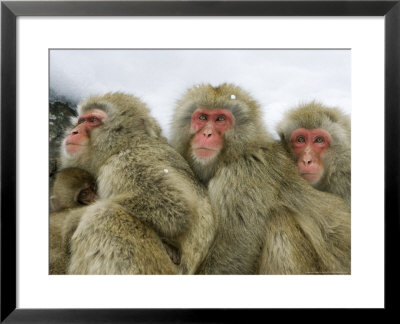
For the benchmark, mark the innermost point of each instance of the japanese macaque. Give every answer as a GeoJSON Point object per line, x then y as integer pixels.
{"type": "Point", "coordinates": [148, 195]}
{"type": "Point", "coordinates": [72, 189]}
{"type": "Point", "coordinates": [270, 221]}
{"type": "Point", "coordinates": [319, 140]}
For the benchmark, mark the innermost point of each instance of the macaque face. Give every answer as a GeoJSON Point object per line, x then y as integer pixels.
{"type": "Point", "coordinates": [87, 195]}
{"type": "Point", "coordinates": [209, 127]}
{"type": "Point", "coordinates": [309, 145]}
{"type": "Point", "coordinates": [79, 137]}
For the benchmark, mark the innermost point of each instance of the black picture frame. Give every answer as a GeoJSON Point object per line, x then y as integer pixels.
{"type": "Point", "coordinates": [10, 10]}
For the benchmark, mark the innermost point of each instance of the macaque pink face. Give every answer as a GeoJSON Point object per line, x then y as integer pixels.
{"type": "Point", "coordinates": [309, 145]}
{"type": "Point", "coordinates": [209, 127]}
{"type": "Point", "coordinates": [78, 139]}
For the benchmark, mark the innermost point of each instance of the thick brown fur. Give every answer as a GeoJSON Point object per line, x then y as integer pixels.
{"type": "Point", "coordinates": [147, 195]}
{"type": "Point", "coordinates": [270, 220]}
{"type": "Point", "coordinates": [337, 160]}
{"type": "Point", "coordinates": [67, 195]}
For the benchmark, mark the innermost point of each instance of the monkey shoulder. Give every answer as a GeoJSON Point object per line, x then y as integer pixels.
{"type": "Point", "coordinates": [248, 182]}
{"type": "Point", "coordinates": [143, 156]}
{"type": "Point", "coordinates": [145, 167]}
{"type": "Point", "coordinates": [171, 162]}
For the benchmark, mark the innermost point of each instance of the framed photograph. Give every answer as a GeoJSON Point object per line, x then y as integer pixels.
{"type": "Point", "coordinates": [342, 53]}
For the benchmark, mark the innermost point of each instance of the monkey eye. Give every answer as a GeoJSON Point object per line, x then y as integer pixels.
{"type": "Point", "coordinates": [319, 139]}
{"type": "Point", "coordinates": [220, 118]}
{"type": "Point", "coordinates": [81, 121]}
{"type": "Point", "coordinates": [84, 193]}
{"type": "Point", "coordinates": [202, 117]}
{"type": "Point", "coordinates": [93, 119]}
{"type": "Point", "coordinates": [300, 139]}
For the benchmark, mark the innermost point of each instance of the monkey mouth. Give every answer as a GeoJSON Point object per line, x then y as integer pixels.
{"type": "Point", "coordinates": [74, 144]}
{"type": "Point", "coordinates": [74, 148]}
{"type": "Point", "coordinates": [311, 177]}
{"type": "Point", "coordinates": [205, 148]}
{"type": "Point", "coordinates": [204, 153]}
{"type": "Point", "coordinates": [68, 143]}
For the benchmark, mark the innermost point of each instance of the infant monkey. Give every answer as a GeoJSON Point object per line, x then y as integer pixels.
{"type": "Point", "coordinates": [73, 188]}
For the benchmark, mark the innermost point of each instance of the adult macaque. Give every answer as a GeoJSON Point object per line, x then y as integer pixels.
{"type": "Point", "coordinates": [269, 219]}
{"type": "Point", "coordinates": [72, 189]}
{"type": "Point", "coordinates": [319, 139]}
{"type": "Point", "coordinates": [148, 195]}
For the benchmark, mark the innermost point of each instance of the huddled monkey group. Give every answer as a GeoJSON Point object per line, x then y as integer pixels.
{"type": "Point", "coordinates": [223, 197]}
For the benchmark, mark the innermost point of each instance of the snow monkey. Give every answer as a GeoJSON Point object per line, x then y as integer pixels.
{"type": "Point", "coordinates": [148, 195]}
{"type": "Point", "coordinates": [270, 221]}
{"type": "Point", "coordinates": [72, 189]}
{"type": "Point", "coordinates": [319, 139]}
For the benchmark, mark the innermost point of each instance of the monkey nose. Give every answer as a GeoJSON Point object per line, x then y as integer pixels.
{"type": "Point", "coordinates": [307, 160]}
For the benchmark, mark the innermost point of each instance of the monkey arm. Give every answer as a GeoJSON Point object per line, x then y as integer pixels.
{"type": "Point", "coordinates": [188, 221]}
{"type": "Point", "coordinates": [149, 188]}
{"type": "Point", "coordinates": [62, 226]}
{"type": "Point", "coordinates": [286, 250]}
{"type": "Point", "coordinates": [70, 224]}
{"type": "Point", "coordinates": [325, 220]}
{"type": "Point", "coordinates": [340, 184]}
{"type": "Point", "coordinates": [165, 216]}
{"type": "Point", "coordinates": [327, 226]}
{"type": "Point", "coordinates": [157, 192]}
{"type": "Point", "coordinates": [108, 240]}
{"type": "Point", "coordinates": [58, 258]}
{"type": "Point", "coordinates": [323, 217]}
{"type": "Point", "coordinates": [159, 189]}
{"type": "Point", "coordinates": [337, 179]}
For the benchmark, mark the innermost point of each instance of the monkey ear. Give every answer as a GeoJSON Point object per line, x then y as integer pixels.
{"type": "Point", "coordinates": [54, 204]}
{"type": "Point", "coordinates": [281, 135]}
{"type": "Point", "coordinates": [151, 127]}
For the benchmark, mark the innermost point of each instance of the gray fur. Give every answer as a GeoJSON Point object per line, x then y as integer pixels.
{"type": "Point", "coordinates": [337, 160]}
{"type": "Point", "coordinates": [270, 220]}
{"type": "Point", "coordinates": [64, 203]}
{"type": "Point", "coordinates": [147, 194]}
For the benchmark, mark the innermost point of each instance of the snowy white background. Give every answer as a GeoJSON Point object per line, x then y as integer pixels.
{"type": "Point", "coordinates": [278, 79]}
